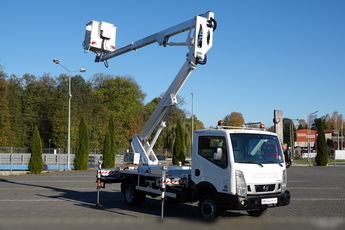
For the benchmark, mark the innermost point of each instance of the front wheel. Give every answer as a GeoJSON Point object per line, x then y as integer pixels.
{"type": "Point", "coordinates": [257, 213]}
{"type": "Point", "coordinates": [208, 208]}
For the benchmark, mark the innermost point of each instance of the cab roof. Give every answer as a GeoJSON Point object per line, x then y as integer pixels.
{"type": "Point", "coordinates": [230, 131]}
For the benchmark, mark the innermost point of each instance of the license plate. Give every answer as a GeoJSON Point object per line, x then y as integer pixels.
{"type": "Point", "coordinates": [269, 201]}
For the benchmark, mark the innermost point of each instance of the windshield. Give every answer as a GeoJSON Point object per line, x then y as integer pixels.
{"type": "Point", "coordinates": [256, 148]}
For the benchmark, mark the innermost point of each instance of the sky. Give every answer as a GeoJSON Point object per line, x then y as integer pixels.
{"type": "Point", "coordinates": [287, 55]}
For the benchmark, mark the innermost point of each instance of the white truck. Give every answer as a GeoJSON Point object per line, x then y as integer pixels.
{"type": "Point", "coordinates": [231, 168]}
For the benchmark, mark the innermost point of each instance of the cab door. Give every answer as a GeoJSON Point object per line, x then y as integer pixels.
{"type": "Point", "coordinates": [210, 162]}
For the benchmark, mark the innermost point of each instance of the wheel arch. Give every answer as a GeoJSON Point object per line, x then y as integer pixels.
{"type": "Point", "coordinates": [202, 189]}
{"type": "Point", "coordinates": [128, 179]}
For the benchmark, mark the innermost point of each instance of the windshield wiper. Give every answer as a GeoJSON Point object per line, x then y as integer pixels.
{"type": "Point", "coordinates": [274, 162]}
{"type": "Point", "coordinates": [252, 162]}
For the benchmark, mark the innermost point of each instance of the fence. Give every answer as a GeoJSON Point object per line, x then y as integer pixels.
{"type": "Point", "coordinates": [44, 150]}
{"type": "Point", "coordinates": [20, 161]}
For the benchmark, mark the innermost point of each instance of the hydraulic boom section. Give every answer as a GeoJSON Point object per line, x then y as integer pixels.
{"type": "Point", "coordinates": [199, 40]}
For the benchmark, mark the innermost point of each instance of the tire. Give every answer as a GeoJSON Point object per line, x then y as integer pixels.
{"type": "Point", "coordinates": [208, 209]}
{"type": "Point", "coordinates": [257, 213]}
{"type": "Point", "coordinates": [132, 196]}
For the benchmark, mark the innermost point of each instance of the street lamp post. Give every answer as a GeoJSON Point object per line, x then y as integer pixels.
{"type": "Point", "coordinates": [308, 136]}
{"type": "Point", "coordinates": [56, 61]}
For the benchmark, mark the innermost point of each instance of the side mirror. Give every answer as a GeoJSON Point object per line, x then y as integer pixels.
{"type": "Point", "coordinates": [217, 156]}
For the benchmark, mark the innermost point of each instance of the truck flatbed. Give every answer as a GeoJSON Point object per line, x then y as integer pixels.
{"type": "Point", "coordinates": [174, 174]}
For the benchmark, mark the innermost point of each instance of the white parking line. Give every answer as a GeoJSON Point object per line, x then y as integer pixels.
{"type": "Point", "coordinates": [49, 181]}
{"type": "Point", "coordinates": [39, 188]}
{"type": "Point", "coordinates": [313, 188]}
{"type": "Point", "coordinates": [50, 200]}
{"type": "Point", "coordinates": [32, 200]}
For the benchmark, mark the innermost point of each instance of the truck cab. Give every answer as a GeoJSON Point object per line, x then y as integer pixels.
{"type": "Point", "coordinates": [240, 169]}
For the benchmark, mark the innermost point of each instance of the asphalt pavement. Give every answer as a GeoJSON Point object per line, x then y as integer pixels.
{"type": "Point", "coordinates": [67, 200]}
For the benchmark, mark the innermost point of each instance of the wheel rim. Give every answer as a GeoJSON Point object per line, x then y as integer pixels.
{"type": "Point", "coordinates": [129, 195]}
{"type": "Point", "coordinates": [208, 208]}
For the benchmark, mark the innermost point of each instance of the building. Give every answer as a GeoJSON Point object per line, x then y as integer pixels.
{"type": "Point", "coordinates": [303, 136]}
{"type": "Point", "coordinates": [329, 134]}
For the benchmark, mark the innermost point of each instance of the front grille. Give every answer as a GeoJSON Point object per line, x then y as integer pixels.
{"type": "Point", "coordinates": [264, 188]}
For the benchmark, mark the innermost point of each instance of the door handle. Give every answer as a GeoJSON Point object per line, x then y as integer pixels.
{"type": "Point", "coordinates": [197, 172]}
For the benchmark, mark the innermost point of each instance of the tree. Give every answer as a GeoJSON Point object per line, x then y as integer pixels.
{"type": "Point", "coordinates": [288, 131]}
{"type": "Point", "coordinates": [302, 124]}
{"type": "Point", "coordinates": [5, 125]}
{"type": "Point", "coordinates": [36, 161]}
{"type": "Point", "coordinates": [15, 95]}
{"type": "Point", "coordinates": [111, 130]}
{"type": "Point", "coordinates": [166, 140]}
{"type": "Point", "coordinates": [29, 101]}
{"type": "Point", "coordinates": [179, 146]}
{"type": "Point", "coordinates": [234, 119]}
{"type": "Point", "coordinates": [197, 124]}
{"type": "Point", "coordinates": [108, 161]}
{"type": "Point", "coordinates": [121, 97]}
{"type": "Point", "coordinates": [109, 145]}
{"type": "Point", "coordinates": [327, 121]}
{"type": "Point", "coordinates": [59, 118]}
{"type": "Point", "coordinates": [336, 120]}
{"type": "Point", "coordinates": [45, 89]}
{"type": "Point", "coordinates": [321, 158]}
{"type": "Point", "coordinates": [30, 106]}
{"type": "Point", "coordinates": [82, 154]}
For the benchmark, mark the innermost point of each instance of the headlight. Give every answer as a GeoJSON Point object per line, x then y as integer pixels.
{"type": "Point", "coordinates": [241, 186]}
{"type": "Point", "coordinates": [284, 181]}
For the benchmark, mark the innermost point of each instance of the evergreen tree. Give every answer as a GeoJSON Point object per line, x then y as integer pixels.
{"type": "Point", "coordinates": [111, 130]}
{"type": "Point", "coordinates": [321, 158]}
{"type": "Point", "coordinates": [36, 161]}
{"type": "Point", "coordinates": [108, 160]}
{"type": "Point", "coordinates": [180, 145]}
{"type": "Point", "coordinates": [82, 154]}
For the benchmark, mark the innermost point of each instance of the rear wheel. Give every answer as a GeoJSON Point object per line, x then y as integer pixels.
{"type": "Point", "coordinates": [208, 208]}
{"type": "Point", "coordinates": [132, 196]}
{"type": "Point", "coordinates": [257, 212]}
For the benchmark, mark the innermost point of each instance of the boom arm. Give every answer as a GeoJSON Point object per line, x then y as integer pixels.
{"type": "Point", "coordinates": [199, 41]}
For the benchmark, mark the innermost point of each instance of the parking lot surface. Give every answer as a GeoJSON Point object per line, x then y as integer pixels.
{"type": "Point", "coordinates": [67, 200]}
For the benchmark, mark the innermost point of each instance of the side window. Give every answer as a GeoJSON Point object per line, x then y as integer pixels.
{"type": "Point", "coordinates": [213, 149]}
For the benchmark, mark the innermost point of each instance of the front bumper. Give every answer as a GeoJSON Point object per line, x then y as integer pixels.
{"type": "Point", "coordinates": [254, 202]}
